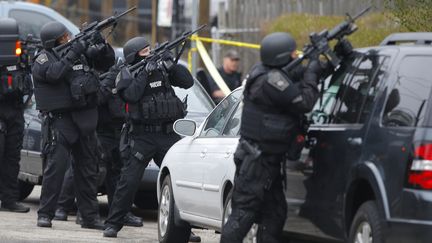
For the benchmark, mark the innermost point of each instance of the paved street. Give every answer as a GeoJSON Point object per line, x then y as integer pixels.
{"type": "Point", "coordinates": [16, 227]}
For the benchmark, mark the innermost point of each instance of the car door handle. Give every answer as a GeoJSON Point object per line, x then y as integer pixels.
{"type": "Point", "coordinates": [203, 153]}
{"type": "Point", "coordinates": [228, 153]}
{"type": "Point", "coordinates": [355, 141]}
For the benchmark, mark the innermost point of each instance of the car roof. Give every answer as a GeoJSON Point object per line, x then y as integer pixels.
{"type": "Point", "coordinates": [398, 48]}
{"type": "Point", "coordinates": [5, 6]}
{"type": "Point", "coordinates": [414, 38]}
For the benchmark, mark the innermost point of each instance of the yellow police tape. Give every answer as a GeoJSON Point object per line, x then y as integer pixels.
{"type": "Point", "coordinates": [214, 73]}
{"type": "Point", "coordinates": [225, 42]}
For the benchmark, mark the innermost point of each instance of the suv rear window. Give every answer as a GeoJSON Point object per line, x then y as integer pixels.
{"type": "Point", "coordinates": [407, 102]}
{"type": "Point", "coordinates": [358, 85]}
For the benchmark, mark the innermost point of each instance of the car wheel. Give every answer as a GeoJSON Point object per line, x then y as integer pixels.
{"type": "Point", "coordinates": [25, 189]}
{"type": "Point", "coordinates": [146, 200]}
{"type": "Point", "coordinates": [251, 236]}
{"type": "Point", "coordinates": [367, 226]}
{"type": "Point", "coordinates": [168, 231]}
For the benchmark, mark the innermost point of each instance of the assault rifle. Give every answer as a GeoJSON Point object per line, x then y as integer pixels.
{"type": "Point", "coordinates": [88, 30]}
{"type": "Point", "coordinates": [320, 42]}
{"type": "Point", "coordinates": [155, 54]}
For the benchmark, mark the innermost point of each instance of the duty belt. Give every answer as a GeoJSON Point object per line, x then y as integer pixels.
{"type": "Point", "coordinates": [165, 128]}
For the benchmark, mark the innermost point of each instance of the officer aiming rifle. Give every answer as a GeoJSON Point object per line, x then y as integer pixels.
{"type": "Point", "coordinates": [157, 53]}
{"type": "Point", "coordinates": [89, 30]}
{"type": "Point", "coordinates": [320, 42]}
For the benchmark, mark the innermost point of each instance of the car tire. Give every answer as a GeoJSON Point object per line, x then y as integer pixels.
{"type": "Point", "coordinates": [146, 200]}
{"type": "Point", "coordinates": [168, 231]}
{"type": "Point", "coordinates": [25, 189]}
{"type": "Point", "coordinates": [367, 226]}
{"type": "Point", "coordinates": [251, 236]}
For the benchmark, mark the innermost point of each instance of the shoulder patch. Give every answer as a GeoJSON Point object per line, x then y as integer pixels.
{"type": "Point", "coordinates": [42, 58]}
{"type": "Point", "coordinates": [277, 80]}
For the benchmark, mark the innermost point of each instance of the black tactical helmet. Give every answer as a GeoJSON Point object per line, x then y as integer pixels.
{"type": "Point", "coordinates": [50, 32]}
{"type": "Point", "coordinates": [276, 49]}
{"type": "Point", "coordinates": [132, 47]}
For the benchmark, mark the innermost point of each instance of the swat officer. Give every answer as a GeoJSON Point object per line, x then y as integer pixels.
{"type": "Point", "coordinates": [66, 93]}
{"type": "Point", "coordinates": [112, 115]}
{"type": "Point", "coordinates": [273, 105]}
{"type": "Point", "coordinates": [153, 107]}
{"type": "Point", "coordinates": [15, 83]}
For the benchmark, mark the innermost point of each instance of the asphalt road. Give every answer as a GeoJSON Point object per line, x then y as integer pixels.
{"type": "Point", "coordinates": [18, 227]}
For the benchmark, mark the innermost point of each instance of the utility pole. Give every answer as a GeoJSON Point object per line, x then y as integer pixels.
{"type": "Point", "coordinates": [195, 17]}
{"type": "Point", "coordinates": [154, 20]}
{"type": "Point", "coordinates": [132, 26]}
{"type": "Point", "coordinates": [84, 6]}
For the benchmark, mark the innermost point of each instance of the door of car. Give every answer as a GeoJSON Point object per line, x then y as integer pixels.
{"type": "Point", "coordinates": [220, 163]}
{"type": "Point", "coordinates": [190, 177]}
{"type": "Point", "coordinates": [315, 200]}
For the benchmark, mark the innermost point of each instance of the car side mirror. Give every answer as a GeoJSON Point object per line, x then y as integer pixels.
{"type": "Point", "coordinates": [185, 127]}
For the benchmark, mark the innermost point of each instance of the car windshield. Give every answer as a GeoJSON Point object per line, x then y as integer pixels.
{"type": "Point", "coordinates": [197, 99]}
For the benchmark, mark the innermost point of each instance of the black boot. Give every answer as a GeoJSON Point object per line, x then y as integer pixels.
{"type": "Point", "coordinates": [110, 232]}
{"type": "Point", "coordinates": [61, 215]}
{"type": "Point", "coordinates": [44, 222]}
{"type": "Point", "coordinates": [194, 238]}
{"type": "Point", "coordinates": [93, 225]}
{"type": "Point", "coordinates": [132, 220]}
{"type": "Point", "coordinates": [14, 207]}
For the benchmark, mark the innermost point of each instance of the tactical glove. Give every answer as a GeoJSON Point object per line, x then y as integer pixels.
{"type": "Point", "coordinates": [343, 48]}
{"type": "Point", "coordinates": [77, 48]}
{"type": "Point", "coordinates": [150, 67]}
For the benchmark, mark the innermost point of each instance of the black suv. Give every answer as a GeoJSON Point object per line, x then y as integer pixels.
{"type": "Point", "coordinates": [367, 175]}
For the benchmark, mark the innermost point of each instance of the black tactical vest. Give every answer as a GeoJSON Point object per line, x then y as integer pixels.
{"type": "Point", "coordinates": [77, 90]}
{"type": "Point", "coordinates": [271, 128]}
{"type": "Point", "coordinates": [14, 83]}
{"type": "Point", "coordinates": [159, 103]}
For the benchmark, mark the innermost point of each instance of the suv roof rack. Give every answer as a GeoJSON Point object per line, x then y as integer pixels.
{"type": "Point", "coordinates": [413, 38]}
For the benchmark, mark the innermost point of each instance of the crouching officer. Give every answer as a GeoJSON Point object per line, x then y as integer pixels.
{"type": "Point", "coordinates": [112, 116]}
{"type": "Point", "coordinates": [274, 103]}
{"type": "Point", "coordinates": [153, 107]}
{"type": "Point", "coordinates": [66, 93]}
{"type": "Point", "coordinates": [15, 83]}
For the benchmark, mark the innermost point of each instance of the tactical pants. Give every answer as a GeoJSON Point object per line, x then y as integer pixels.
{"type": "Point", "coordinates": [144, 146]}
{"type": "Point", "coordinates": [258, 197]}
{"type": "Point", "coordinates": [109, 141]}
{"type": "Point", "coordinates": [66, 140]}
{"type": "Point", "coordinates": [111, 157]}
{"type": "Point", "coordinates": [11, 139]}
{"type": "Point", "coordinates": [67, 196]}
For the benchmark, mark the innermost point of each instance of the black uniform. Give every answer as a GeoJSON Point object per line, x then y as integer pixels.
{"type": "Point", "coordinates": [66, 92]}
{"type": "Point", "coordinates": [13, 86]}
{"type": "Point", "coordinates": [271, 120]}
{"type": "Point", "coordinates": [15, 83]}
{"type": "Point", "coordinates": [152, 107]}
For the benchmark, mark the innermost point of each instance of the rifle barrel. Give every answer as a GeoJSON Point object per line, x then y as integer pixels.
{"type": "Point", "coordinates": [126, 12]}
{"type": "Point", "coordinates": [362, 12]}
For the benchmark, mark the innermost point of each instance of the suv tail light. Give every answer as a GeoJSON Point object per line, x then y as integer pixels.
{"type": "Point", "coordinates": [420, 173]}
{"type": "Point", "coordinates": [18, 50]}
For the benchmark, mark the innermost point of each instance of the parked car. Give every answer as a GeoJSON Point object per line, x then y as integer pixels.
{"type": "Point", "coordinates": [199, 105]}
{"type": "Point", "coordinates": [366, 175]}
